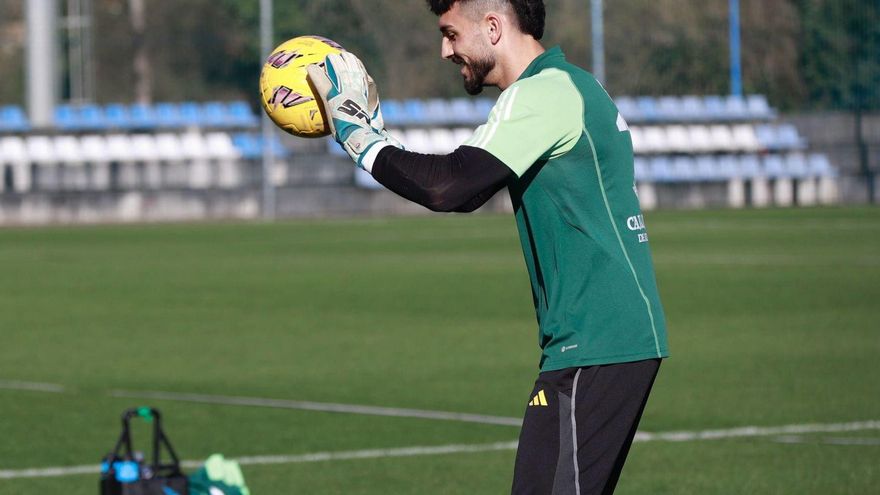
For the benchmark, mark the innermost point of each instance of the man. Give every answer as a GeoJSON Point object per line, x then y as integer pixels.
{"type": "Point", "coordinates": [557, 142]}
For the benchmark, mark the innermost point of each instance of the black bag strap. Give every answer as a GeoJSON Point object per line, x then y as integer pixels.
{"type": "Point", "coordinates": [159, 440]}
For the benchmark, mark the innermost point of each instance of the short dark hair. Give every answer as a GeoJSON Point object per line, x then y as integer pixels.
{"type": "Point", "coordinates": [529, 13]}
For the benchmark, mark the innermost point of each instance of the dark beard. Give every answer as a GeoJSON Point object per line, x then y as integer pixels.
{"type": "Point", "coordinates": [479, 69]}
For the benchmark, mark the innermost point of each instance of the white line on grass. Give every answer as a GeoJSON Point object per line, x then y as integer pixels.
{"type": "Point", "coordinates": [31, 386]}
{"type": "Point", "coordinates": [679, 436]}
{"type": "Point", "coordinates": [320, 406]}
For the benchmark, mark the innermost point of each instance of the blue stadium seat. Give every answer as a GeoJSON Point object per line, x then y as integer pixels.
{"type": "Point", "coordinates": [393, 112]}
{"type": "Point", "coordinates": [190, 114]}
{"type": "Point", "coordinates": [750, 166]}
{"type": "Point", "coordinates": [67, 117]}
{"type": "Point", "coordinates": [628, 108]}
{"type": "Point", "coordinates": [143, 116]}
{"type": "Point", "coordinates": [168, 115]}
{"type": "Point", "coordinates": [683, 169]}
{"type": "Point", "coordinates": [796, 165]}
{"type": "Point", "coordinates": [242, 114]}
{"type": "Point", "coordinates": [661, 169]}
{"type": "Point", "coordinates": [774, 166]}
{"type": "Point", "coordinates": [483, 106]}
{"type": "Point", "coordinates": [692, 108]}
{"type": "Point", "coordinates": [251, 145]}
{"type": "Point", "coordinates": [464, 111]}
{"type": "Point", "coordinates": [216, 114]}
{"type": "Point", "coordinates": [728, 167]}
{"type": "Point", "coordinates": [648, 109]}
{"type": "Point", "coordinates": [818, 165]}
{"type": "Point", "coordinates": [789, 138]}
{"type": "Point", "coordinates": [437, 111]}
{"type": "Point", "coordinates": [117, 116]}
{"type": "Point", "coordinates": [669, 108]}
{"type": "Point", "coordinates": [715, 108]}
{"type": "Point", "coordinates": [642, 168]}
{"type": "Point", "coordinates": [759, 108]}
{"type": "Point", "coordinates": [735, 108]}
{"type": "Point", "coordinates": [91, 117]}
{"type": "Point", "coordinates": [12, 118]}
{"type": "Point", "coordinates": [415, 111]}
{"type": "Point", "coordinates": [706, 168]}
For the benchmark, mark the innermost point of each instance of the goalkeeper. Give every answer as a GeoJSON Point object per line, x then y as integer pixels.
{"type": "Point", "coordinates": [557, 142]}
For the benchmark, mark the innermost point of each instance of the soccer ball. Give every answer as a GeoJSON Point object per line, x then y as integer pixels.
{"type": "Point", "coordinates": [285, 92]}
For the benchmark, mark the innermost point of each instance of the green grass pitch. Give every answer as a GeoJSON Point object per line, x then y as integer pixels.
{"type": "Point", "coordinates": [774, 319]}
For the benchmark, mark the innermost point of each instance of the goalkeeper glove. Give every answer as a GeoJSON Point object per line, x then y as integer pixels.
{"type": "Point", "coordinates": [352, 105]}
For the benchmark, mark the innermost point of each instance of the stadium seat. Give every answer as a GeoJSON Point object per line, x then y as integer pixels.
{"type": "Point", "coordinates": [220, 146]}
{"type": "Point", "coordinates": [117, 116]}
{"type": "Point", "coordinates": [462, 134]}
{"type": "Point", "coordinates": [143, 116]}
{"type": "Point", "coordinates": [12, 118]}
{"type": "Point", "coordinates": [415, 112]}
{"type": "Point", "coordinates": [242, 115]}
{"type": "Point", "coordinates": [68, 149]}
{"type": "Point", "coordinates": [119, 148]}
{"type": "Point", "coordinates": [750, 166]}
{"type": "Point", "coordinates": [728, 167]}
{"type": "Point", "coordinates": [464, 111]}
{"type": "Point", "coordinates": [144, 148]}
{"type": "Point", "coordinates": [216, 114]}
{"type": "Point", "coordinates": [483, 108]}
{"type": "Point", "coordinates": [418, 140]}
{"type": "Point", "coordinates": [678, 139]}
{"type": "Point", "coordinates": [700, 138]}
{"type": "Point", "coordinates": [744, 138]}
{"type": "Point", "coordinates": [692, 109]}
{"type": "Point", "coordinates": [735, 108]}
{"type": "Point", "coordinates": [669, 109]}
{"type": "Point", "coordinates": [759, 108]}
{"type": "Point", "coordinates": [722, 138]}
{"type": "Point", "coordinates": [393, 112]}
{"type": "Point", "coordinates": [774, 166]}
{"type": "Point", "coordinates": [796, 165]}
{"type": "Point", "coordinates": [190, 114]}
{"type": "Point", "coordinates": [683, 169]}
{"type": "Point", "coordinates": [661, 169]}
{"type": "Point", "coordinates": [169, 147]}
{"type": "Point", "coordinates": [443, 140]}
{"type": "Point", "coordinates": [766, 135]}
{"type": "Point", "coordinates": [94, 148]}
{"type": "Point", "coordinates": [437, 111]}
{"type": "Point", "coordinates": [642, 169]}
{"type": "Point", "coordinates": [715, 108]}
{"type": "Point", "coordinates": [66, 118]}
{"type": "Point", "coordinates": [91, 117]}
{"type": "Point", "coordinates": [818, 165]}
{"type": "Point", "coordinates": [629, 108]}
{"type": "Point", "coordinates": [706, 168]}
{"type": "Point", "coordinates": [638, 139]}
{"type": "Point", "coordinates": [648, 109]}
{"type": "Point", "coordinates": [13, 152]}
{"type": "Point", "coordinates": [168, 115]}
{"type": "Point", "coordinates": [788, 138]}
{"type": "Point", "coordinates": [654, 139]}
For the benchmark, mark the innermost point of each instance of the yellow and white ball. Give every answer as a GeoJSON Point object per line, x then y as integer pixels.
{"type": "Point", "coordinates": [285, 92]}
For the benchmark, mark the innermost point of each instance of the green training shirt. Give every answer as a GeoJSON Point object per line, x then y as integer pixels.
{"type": "Point", "coordinates": [578, 215]}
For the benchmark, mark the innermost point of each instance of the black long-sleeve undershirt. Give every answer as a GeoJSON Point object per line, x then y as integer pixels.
{"type": "Point", "coordinates": [461, 181]}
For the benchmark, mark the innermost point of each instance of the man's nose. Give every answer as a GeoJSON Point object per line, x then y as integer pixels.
{"type": "Point", "coordinates": [446, 50]}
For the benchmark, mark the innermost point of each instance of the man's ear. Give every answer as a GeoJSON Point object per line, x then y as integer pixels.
{"type": "Point", "coordinates": [494, 24]}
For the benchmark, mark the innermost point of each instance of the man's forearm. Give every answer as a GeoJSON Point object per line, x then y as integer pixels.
{"type": "Point", "coordinates": [461, 181]}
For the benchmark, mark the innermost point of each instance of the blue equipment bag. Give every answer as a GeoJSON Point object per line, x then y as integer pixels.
{"type": "Point", "coordinates": [128, 473]}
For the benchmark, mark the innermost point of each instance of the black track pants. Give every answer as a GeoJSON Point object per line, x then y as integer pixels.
{"type": "Point", "coordinates": [578, 428]}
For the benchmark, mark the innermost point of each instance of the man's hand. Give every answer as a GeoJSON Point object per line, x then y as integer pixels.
{"type": "Point", "coordinates": [351, 104]}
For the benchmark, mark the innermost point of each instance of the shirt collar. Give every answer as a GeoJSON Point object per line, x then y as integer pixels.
{"type": "Point", "coordinates": [542, 61]}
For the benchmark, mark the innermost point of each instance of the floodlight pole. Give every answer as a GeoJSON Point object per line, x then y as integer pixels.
{"type": "Point", "coordinates": [736, 88]}
{"type": "Point", "coordinates": [266, 36]}
{"type": "Point", "coordinates": [598, 29]}
{"type": "Point", "coordinates": [42, 67]}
